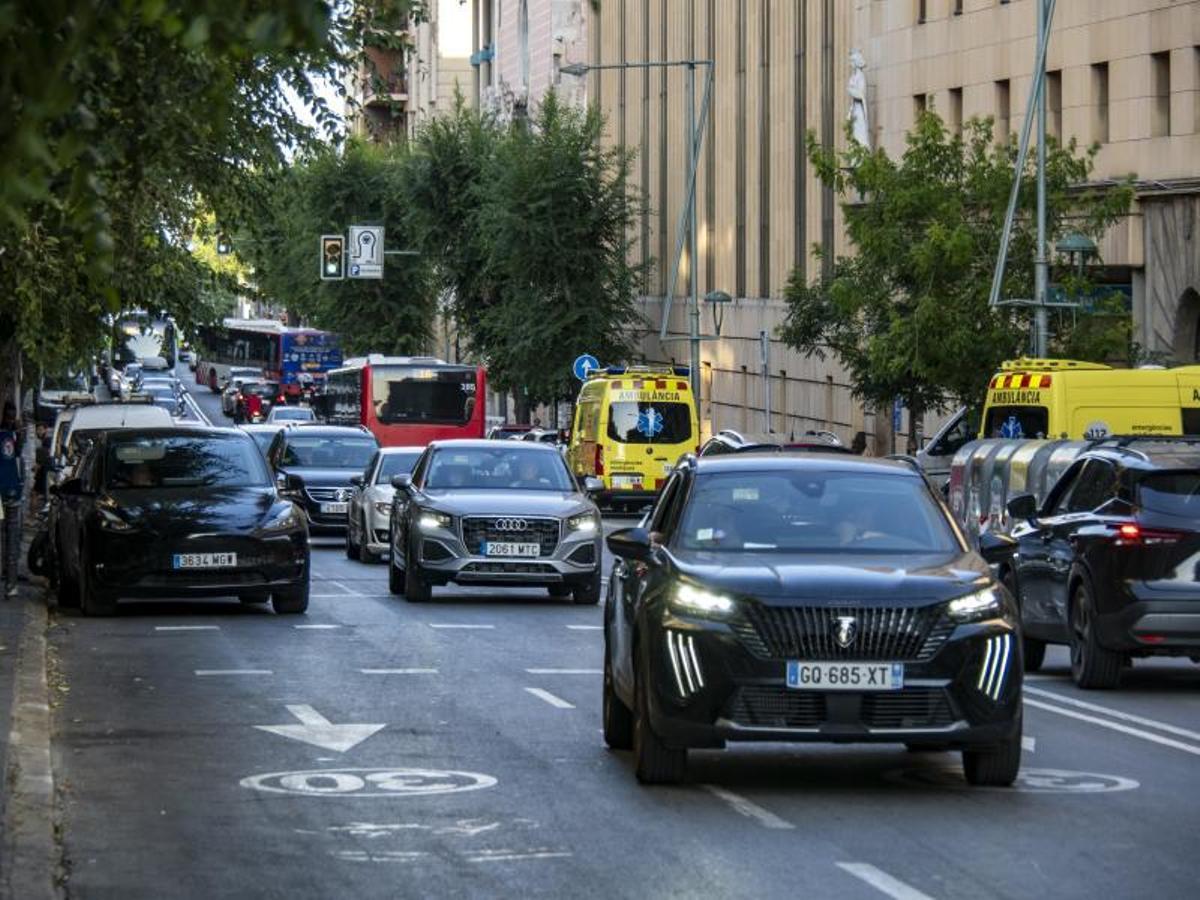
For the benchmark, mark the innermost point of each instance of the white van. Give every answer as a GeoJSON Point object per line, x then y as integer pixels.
{"type": "Point", "coordinates": [88, 421]}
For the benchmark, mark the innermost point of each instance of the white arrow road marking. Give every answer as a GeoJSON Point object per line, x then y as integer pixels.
{"type": "Point", "coordinates": [315, 729]}
{"type": "Point", "coordinates": [550, 698]}
{"type": "Point", "coordinates": [882, 881]}
{"type": "Point", "coordinates": [1028, 743]}
{"type": "Point", "coordinates": [748, 808]}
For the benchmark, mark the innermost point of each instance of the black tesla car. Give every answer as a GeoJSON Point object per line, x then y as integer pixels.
{"type": "Point", "coordinates": [315, 464]}
{"type": "Point", "coordinates": [773, 597]}
{"type": "Point", "coordinates": [1110, 564]}
{"type": "Point", "coordinates": [170, 512]}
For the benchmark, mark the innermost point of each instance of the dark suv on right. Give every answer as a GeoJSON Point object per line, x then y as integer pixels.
{"type": "Point", "coordinates": [1110, 563]}
{"type": "Point", "coordinates": [313, 465]}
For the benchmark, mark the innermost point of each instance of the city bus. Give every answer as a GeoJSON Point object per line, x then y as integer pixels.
{"type": "Point", "coordinates": [282, 353]}
{"type": "Point", "coordinates": [407, 400]}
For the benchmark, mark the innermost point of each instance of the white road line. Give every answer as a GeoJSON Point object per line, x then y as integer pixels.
{"type": "Point", "coordinates": [327, 596]}
{"type": "Point", "coordinates": [234, 672]}
{"type": "Point", "coordinates": [338, 584]}
{"type": "Point", "coordinates": [550, 698]}
{"type": "Point", "coordinates": [457, 625]}
{"type": "Point", "coordinates": [200, 414]}
{"type": "Point", "coordinates": [316, 627]}
{"type": "Point", "coordinates": [512, 856]}
{"type": "Point", "coordinates": [1116, 713]}
{"type": "Point", "coordinates": [565, 671]}
{"type": "Point", "coordinates": [1116, 726]}
{"type": "Point", "coordinates": [1029, 743]}
{"type": "Point", "coordinates": [882, 881]}
{"type": "Point", "coordinates": [586, 627]}
{"type": "Point", "coordinates": [748, 808]}
{"type": "Point", "coordinates": [187, 627]}
{"type": "Point", "coordinates": [399, 671]}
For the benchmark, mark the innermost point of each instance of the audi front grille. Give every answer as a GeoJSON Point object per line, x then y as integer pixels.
{"type": "Point", "coordinates": [476, 530]}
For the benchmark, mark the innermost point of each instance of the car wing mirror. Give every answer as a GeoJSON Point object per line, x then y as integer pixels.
{"type": "Point", "coordinates": [356, 480]}
{"type": "Point", "coordinates": [1023, 507]}
{"type": "Point", "coordinates": [592, 485]}
{"type": "Point", "coordinates": [402, 482]}
{"type": "Point", "coordinates": [631, 543]}
{"type": "Point", "coordinates": [293, 482]}
{"type": "Point", "coordinates": [996, 548]}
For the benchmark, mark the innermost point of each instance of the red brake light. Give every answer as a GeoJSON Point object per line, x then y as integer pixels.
{"type": "Point", "coordinates": [1130, 534]}
{"type": "Point", "coordinates": [599, 461]}
{"type": "Point", "coordinates": [1129, 531]}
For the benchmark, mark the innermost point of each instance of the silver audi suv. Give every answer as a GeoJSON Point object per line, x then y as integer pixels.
{"type": "Point", "coordinates": [493, 513]}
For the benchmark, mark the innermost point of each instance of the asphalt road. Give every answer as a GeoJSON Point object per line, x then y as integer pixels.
{"type": "Point", "coordinates": [478, 769]}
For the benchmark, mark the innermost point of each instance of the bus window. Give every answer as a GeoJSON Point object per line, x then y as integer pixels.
{"type": "Point", "coordinates": [416, 395]}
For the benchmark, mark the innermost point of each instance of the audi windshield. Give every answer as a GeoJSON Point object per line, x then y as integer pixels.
{"type": "Point", "coordinates": [508, 467]}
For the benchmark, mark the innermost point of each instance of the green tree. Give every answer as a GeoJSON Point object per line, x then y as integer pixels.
{"type": "Point", "coordinates": [323, 194]}
{"type": "Point", "coordinates": [907, 312]}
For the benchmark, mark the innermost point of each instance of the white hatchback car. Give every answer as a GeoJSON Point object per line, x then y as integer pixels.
{"type": "Point", "coordinates": [370, 510]}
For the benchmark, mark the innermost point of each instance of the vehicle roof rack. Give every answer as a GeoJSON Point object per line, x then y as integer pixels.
{"type": "Point", "coordinates": [640, 369]}
{"type": "Point", "coordinates": [1036, 364]}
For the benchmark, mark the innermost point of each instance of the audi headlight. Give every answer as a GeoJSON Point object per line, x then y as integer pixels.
{"type": "Point", "coordinates": [285, 520]}
{"type": "Point", "coordinates": [584, 522]}
{"type": "Point", "coordinates": [383, 507]}
{"type": "Point", "coordinates": [110, 521]}
{"type": "Point", "coordinates": [431, 520]}
{"type": "Point", "coordinates": [983, 604]}
{"type": "Point", "coordinates": [691, 598]}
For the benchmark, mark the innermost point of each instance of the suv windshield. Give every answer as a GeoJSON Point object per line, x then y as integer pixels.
{"type": "Point", "coordinates": [328, 451]}
{"type": "Point", "coordinates": [1171, 493]}
{"type": "Point", "coordinates": [508, 467]}
{"type": "Point", "coordinates": [640, 422]}
{"type": "Point", "coordinates": [183, 461]}
{"type": "Point", "coordinates": [812, 511]}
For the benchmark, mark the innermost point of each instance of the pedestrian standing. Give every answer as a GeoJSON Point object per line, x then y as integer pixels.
{"type": "Point", "coordinates": [41, 467]}
{"type": "Point", "coordinates": [12, 483]}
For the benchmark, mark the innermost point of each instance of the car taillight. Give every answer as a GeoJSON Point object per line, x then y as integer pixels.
{"type": "Point", "coordinates": [1131, 534]}
{"type": "Point", "coordinates": [599, 461]}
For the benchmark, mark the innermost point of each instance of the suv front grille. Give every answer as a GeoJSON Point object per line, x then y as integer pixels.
{"type": "Point", "coordinates": [773, 707]}
{"type": "Point", "coordinates": [808, 632]}
{"type": "Point", "coordinates": [478, 529]}
{"type": "Point", "coordinates": [909, 708]}
{"type": "Point", "coordinates": [780, 707]}
{"type": "Point", "coordinates": [327, 494]}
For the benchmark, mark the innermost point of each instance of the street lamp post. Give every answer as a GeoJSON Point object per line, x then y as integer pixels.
{"type": "Point", "coordinates": [687, 218]}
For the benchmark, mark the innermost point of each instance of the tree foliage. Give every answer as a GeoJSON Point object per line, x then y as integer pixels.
{"type": "Point", "coordinates": [528, 225]}
{"type": "Point", "coordinates": [907, 312]}
{"type": "Point", "coordinates": [324, 193]}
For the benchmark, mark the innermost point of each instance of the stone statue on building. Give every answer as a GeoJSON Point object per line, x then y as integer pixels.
{"type": "Point", "coordinates": [857, 88]}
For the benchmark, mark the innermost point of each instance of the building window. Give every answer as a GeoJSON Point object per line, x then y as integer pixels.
{"type": "Point", "coordinates": [958, 4]}
{"type": "Point", "coordinates": [956, 110]}
{"type": "Point", "coordinates": [920, 104]}
{"type": "Point", "coordinates": [523, 41]}
{"type": "Point", "coordinates": [1160, 87]}
{"type": "Point", "coordinates": [1054, 104]}
{"type": "Point", "coordinates": [1100, 103]}
{"type": "Point", "coordinates": [921, 11]}
{"type": "Point", "coordinates": [1003, 111]}
{"type": "Point", "coordinates": [1196, 90]}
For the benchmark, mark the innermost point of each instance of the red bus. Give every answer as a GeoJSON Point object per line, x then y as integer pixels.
{"type": "Point", "coordinates": [407, 400]}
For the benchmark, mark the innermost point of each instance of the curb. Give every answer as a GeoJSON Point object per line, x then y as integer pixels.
{"type": "Point", "coordinates": [30, 861]}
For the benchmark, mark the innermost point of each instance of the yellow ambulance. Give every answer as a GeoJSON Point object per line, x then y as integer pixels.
{"type": "Point", "coordinates": [632, 424]}
{"type": "Point", "coordinates": [1063, 398]}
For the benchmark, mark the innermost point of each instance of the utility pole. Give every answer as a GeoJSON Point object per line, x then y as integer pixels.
{"type": "Point", "coordinates": [1041, 277]}
{"type": "Point", "coordinates": [693, 247]}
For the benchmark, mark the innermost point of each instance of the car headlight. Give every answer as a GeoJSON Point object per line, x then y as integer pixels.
{"type": "Point", "coordinates": [110, 521]}
{"type": "Point", "coordinates": [431, 520]}
{"type": "Point", "coordinates": [383, 507]}
{"type": "Point", "coordinates": [284, 520]}
{"type": "Point", "coordinates": [984, 604]}
{"type": "Point", "coordinates": [691, 598]}
{"type": "Point", "coordinates": [585, 522]}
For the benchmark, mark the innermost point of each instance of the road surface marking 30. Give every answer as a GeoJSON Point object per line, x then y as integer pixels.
{"type": "Point", "coordinates": [356, 783]}
{"type": "Point", "coordinates": [550, 698]}
{"type": "Point", "coordinates": [882, 881]}
{"type": "Point", "coordinates": [1029, 781]}
{"type": "Point", "coordinates": [748, 808]}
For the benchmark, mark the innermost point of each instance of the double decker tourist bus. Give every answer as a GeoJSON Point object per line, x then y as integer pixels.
{"type": "Point", "coordinates": [280, 352]}
{"type": "Point", "coordinates": [407, 400]}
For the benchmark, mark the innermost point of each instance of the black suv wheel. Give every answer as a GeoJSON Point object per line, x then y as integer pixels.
{"type": "Point", "coordinates": [1092, 666]}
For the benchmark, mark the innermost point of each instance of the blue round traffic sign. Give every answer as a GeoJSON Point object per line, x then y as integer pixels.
{"type": "Point", "coordinates": [583, 365]}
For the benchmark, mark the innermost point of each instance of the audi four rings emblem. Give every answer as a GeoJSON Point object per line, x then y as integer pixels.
{"type": "Point", "coordinates": [511, 525]}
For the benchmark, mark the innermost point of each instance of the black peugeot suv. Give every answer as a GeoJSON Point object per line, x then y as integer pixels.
{"type": "Point", "coordinates": [816, 597]}
{"type": "Point", "coordinates": [1110, 562]}
{"type": "Point", "coordinates": [314, 465]}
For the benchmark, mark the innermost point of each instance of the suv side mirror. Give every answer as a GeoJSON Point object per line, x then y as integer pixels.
{"type": "Point", "coordinates": [592, 485]}
{"type": "Point", "coordinates": [631, 543]}
{"type": "Point", "coordinates": [402, 482]}
{"type": "Point", "coordinates": [996, 548]}
{"type": "Point", "coordinates": [1023, 507]}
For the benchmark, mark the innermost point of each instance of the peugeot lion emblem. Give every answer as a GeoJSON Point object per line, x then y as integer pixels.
{"type": "Point", "coordinates": [845, 630]}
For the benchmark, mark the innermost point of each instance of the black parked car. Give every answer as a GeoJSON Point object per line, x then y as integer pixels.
{"type": "Point", "coordinates": [314, 465]}
{"type": "Point", "coordinates": [813, 597]}
{"type": "Point", "coordinates": [1109, 564]}
{"type": "Point", "coordinates": [167, 512]}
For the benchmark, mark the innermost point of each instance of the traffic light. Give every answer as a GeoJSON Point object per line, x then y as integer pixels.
{"type": "Point", "coordinates": [333, 257]}
{"type": "Point", "coordinates": [224, 245]}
